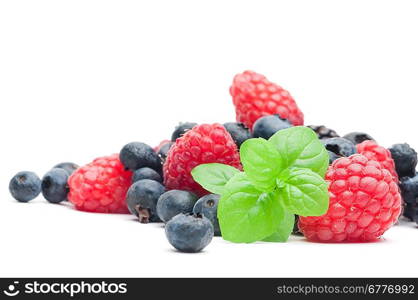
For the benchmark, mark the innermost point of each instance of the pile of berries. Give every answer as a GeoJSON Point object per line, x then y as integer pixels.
{"type": "Point", "coordinates": [155, 184]}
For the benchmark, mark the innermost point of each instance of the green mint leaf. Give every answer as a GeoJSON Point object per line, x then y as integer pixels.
{"type": "Point", "coordinates": [300, 147]}
{"type": "Point", "coordinates": [303, 192]}
{"type": "Point", "coordinates": [213, 177]}
{"type": "Point", "coordinates": [261, 162]}
{"type": "Point", "coordinates": [284, 230]}
{"type": "Point", "coordinates": [245, 214]}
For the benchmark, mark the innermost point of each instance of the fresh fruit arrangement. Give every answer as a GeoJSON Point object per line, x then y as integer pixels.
{"type": "Point", "coordinates": [282, 177]}
{"type": "Point", "coordinates": [260, 178]}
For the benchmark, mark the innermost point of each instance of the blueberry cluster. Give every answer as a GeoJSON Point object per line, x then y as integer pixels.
{"type": "Point", "coordinates": [26, 186]}
{"type": "Point", "coordinates": [337, 146]}
{"type": "Point", "coordinates": [190, 222]}
{"type": "Point", "coordinates": [405, 159]}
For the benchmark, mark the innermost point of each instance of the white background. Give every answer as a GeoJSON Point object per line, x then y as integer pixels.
{"type": "Point", "coordinates": [79, 79]}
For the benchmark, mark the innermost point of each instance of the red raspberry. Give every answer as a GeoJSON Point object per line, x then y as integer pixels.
{"type": "Point", "coordinates": [100, 186]}
{"type": "Point", "coordinates": [372, 150]}
{"type": "Point", "coordinates": [255, 97]}
{"type": "Point", "coordinates": [364, 203]}
{"type": "Point", "coordinates": [203, 144]}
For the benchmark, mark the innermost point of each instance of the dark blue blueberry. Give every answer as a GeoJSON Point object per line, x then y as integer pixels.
{"type": "Point", "coordinates": [142, 198]}
{"type": "Point", "coordinates": [323, 132]}
{"type": "Point", "coordinates": [266, 126]}
{"type": "Point", "coordinates": [340, 146]}
{"type": "Point", "coordinates": [174, 202]}
{"type": "Point", "coordinates": [25, 186]}
{"type": "Point", "coordinates": [333, 157]}
{"type": "Point", "coordinates": [189, 233]}
{"type": "Point", "coordinates": [238, 132]}
{"type": "Point", "coordinates": [181, 129]}
{"type": "Point", "coordinates": [54, 185]}
{"type": "Point", "coordinates": [208, 206]}
{"type": "Point", "coordinates": [409, 189]}
{"type": "Point", "coordinates": [296, 230]}
{"type": "Point", "coordinates": [67, 166]}
{"type": "Point", "coordinates": [163, 151]}
{"type": "Point", "coordinates": [137, 155]}
{"type": "Point", "coordinates": [405, 159]}
{"type": "Point", "coordinates": [146, 173]}
{"type": "Point", "coordinates": [358, 137]}
{"type": "Point", "coordinates": [410, 212]}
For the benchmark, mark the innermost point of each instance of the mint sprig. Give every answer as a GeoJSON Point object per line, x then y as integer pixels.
{"type": "Point", "coordinates": [284, 229]}
{"type": "Point", "coordinates": [303, 192]}
{"type": "Point", "coordinates": [301, 148]}
{"type": "Point", "coordinates": [213, 177]}
{"type": "Point", "coordinates": [282, 177]}
{"type": "Point", "coordinates": [245, 214]}
{"type": "Point", "coordinates": [261, 162]}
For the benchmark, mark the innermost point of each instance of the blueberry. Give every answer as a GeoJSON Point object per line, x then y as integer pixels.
{"type": "Point", "coordinates": [67, 166]}
{"type": "Point", "coordinates": [181, 129]}
{"type": "Point", "coordinates": [323, 132]}
{"type": "Point", "coordinates": [189, 233]}
{"type": "Point", "coordinates": [146, 173]}
{"type": "Point", "coordinates": [339, 146]}
{"type": "Point", "coordinates": [142, 198]}
{"type": "Point", "coordinates": [410, 212]}
{"type": "Point", "coordinates": [174, 202]}
{"type": "Point", "coordinates": [137, 155]}
{"type": "Point", "coordinates": [405, 159]}
{"type": "Point", "coordinates": [208, 206]}
{"type": "Point", "coordinates": [238, 132]}
{"type": "Point", "coordinates": [409, 189]}
{"type": "Point", "coordinates": [163, 151]}
{"type": "Point", "coordinates": [333, 157]}
{"type": "Point", "coordinates": [54, 185]}
{"type": "Point", "coordinates": [25, 186]}
{"type": "Point", "coordinates": [296, 230]}
{"type": "Point", "coordinates": [358, 137]}
{"type": "Point", "coordinates": [266, 126]}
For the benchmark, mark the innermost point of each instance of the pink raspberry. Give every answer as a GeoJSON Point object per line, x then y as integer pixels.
{"type": "Point", "coordinates": [100, 186]}
{"type": "Point", "coordinates": [364, 203]}
{"type": "Point", "coordinates": [203, 144]}
{"type": "Point", "coordinates": [254, 96]}
{"type": "Point", "coordinates": [372, 150]}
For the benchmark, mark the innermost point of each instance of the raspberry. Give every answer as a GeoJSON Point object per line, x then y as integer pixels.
{"type": "Point", "coordinates": [203, 144]}
{"type": "Point", "coordinates": [372, 150]}
{"type": "Point", "coordinates": [254, 96]}
{"type": "Point", "coordinates": [100, 186]}
{"type": "Point", "coordinates": [364, 203]}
